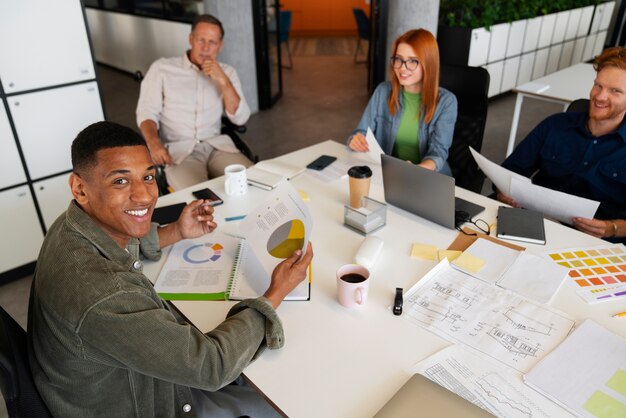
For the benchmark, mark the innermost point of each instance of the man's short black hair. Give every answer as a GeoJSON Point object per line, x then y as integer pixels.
{"type": "Point", "coordinates": [208, 19]}
{"type": "Point", "coordinates": [101, 135]}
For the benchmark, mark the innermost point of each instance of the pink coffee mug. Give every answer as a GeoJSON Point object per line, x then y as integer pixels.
{"type": "Point", "coordinates": [352, 285]}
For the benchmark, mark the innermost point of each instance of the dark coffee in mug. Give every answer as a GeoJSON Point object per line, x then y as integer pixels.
{"type": "Point", "coordinates": [353, 278]}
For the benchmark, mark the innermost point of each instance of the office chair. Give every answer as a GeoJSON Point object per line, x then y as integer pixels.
{"type": "Point", "coordinates": [18, 388]}
{"type": "Point", "coordinates": [578, 105]}
{"type": "Point", "coordinates": [284, 27]}
{"type": "Point", "coordinates": [363, 28]}
{"type": "Point", "coordinates": [470, 86]}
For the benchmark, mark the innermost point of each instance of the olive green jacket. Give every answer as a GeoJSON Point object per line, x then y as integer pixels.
{"type": "Point", "coordinates": [102, 342]}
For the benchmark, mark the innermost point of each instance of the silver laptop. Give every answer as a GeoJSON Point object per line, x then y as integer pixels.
{"type": "Point", "coordinates": [421, 397]}
{"type": "Point", "coordinates": [424, 192]}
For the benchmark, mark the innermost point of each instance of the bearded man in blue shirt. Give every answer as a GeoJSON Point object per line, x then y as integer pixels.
{"type": "Point", "coordinates": [584, 154]}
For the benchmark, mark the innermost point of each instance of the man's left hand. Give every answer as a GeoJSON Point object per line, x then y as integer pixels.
{"type": "Point", "coordinates": [212, 69]}
{"type": "Point", "coordinates": [196, 219]}
{"type": "Point", "coordinates": [596, 227]}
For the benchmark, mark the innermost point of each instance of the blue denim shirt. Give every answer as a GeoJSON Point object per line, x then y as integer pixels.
{"type": "Point", "coordinates": [568, 158]}
{"type": "Point", "coordinates": [435, 137]}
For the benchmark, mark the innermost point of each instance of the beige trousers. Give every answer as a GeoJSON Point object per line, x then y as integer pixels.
{"type": "Point", "coordinates": [205, 162]}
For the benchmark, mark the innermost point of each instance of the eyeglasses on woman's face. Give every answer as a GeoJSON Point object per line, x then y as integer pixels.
{"type": "Point", "coordinates": [410, 64]}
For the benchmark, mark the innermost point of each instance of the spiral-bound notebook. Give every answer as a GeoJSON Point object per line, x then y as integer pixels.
{"type": "Point", "coordinates": [217, 267]}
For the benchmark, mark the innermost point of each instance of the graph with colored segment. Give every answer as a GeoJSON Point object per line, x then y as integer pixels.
{"type": "Point", "coordinates": [598, 272]}
{"type": "Point", "coordinates": [286, 239]}
{"type": "Point", "coordinates": [203, 253]}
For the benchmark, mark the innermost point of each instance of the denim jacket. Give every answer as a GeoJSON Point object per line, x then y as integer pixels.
{"type": "Point", "coordinates": [435, 137]}
{"type": "Point", "coordinates": [103, 344]}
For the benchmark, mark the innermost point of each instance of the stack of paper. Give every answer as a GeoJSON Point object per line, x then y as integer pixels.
{"type": "Point", "coordinates": [268, 173]}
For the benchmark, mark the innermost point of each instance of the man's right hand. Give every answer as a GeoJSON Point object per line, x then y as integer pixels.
{"type": "Point", "coordinates": [358, 143]}
{"type": "Point", "coordinates": [160, 154]}
{"type": "Point", "coordinates": [287, 275]}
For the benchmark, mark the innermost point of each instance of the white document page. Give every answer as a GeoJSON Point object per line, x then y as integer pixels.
{"type": "Point", "coordinates": [494, 321]}
{"type": "Point", "coordinates": [535, 277]}
{"type": "Point", "coordinates": [554, 204]}
{"type": "Point", "coordinates": [338, 169]}
{"type": "Point", "coordinates": [374, 148]}
{"type": "Point", "coordinates": [489, 385]}
{"type": "Point", "coordinates": [278, 226]}
{"type": "Point", "coordinates": [586, 373]}
{"type": "Point", "coordinates": [499, 176]}
{"type": "Point", "coordinates": [497, 259]}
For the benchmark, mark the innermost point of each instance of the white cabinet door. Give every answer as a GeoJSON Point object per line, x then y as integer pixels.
{"type": "Point", "coordinates": [541, 61]}
{"type": "Point", "coordinates": [590, 44]}
{"type": "Point", "coordinates": [547, 28]}
{"type": "Point", "coordinates": [47, 122]}
{"type": "Point", "coordinates": [54, 196]}
{"type": "Point", "coordinates": [560, 26]}
{"type": "Point", "coordinates": [599, 44]}
{"type": "Point", "coordinates": [607, 14]}
{"type": "Point", "coordinates": [531, 37]}
{"type": "Point", "coordinates": [566, 55]}
{"type": "Point", "coordinates": [497, 45]}
{"type": "Point", "coordinates": [479, 47]}
{"type": "Point", "coordinates": [553, 58]}
{"type": "Point", "coordinates": [19, 228]}
{"type": "Point", "coordinates": [526, 68]}
{"type": "Point", "coordinates": [572, 24]}
{"type": "Point", "coordinates": [495, 77]}
{"type": "Point", "coordinates": [516, 38]}
{"type": "Point", "coordinates": [11, 170]}
{"type": "Point", "coordinates": [585, 21]}
{"type": "Point", "coordinates": [509, 74]}
{"type": "Point", "coordinates": [43, 43]}
{"type": "Point", "coordinates": [579, 49]}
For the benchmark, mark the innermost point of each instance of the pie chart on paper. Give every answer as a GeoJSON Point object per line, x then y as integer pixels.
{"type": "Point", "coordinates": [286, 239]}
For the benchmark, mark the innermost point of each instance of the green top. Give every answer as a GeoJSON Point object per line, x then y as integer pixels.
{"type": "Point", "coordinates": [406, 145]}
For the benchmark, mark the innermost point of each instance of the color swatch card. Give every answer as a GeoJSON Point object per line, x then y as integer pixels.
{"type": "Point", "coordinates": [594, 268]}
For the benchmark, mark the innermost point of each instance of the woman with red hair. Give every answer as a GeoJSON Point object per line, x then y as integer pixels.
{"type": "Point", "coordinates": [410, 115]}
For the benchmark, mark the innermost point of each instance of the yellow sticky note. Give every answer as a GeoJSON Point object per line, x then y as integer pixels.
{"type": "Point", "coordinates": [451, 255]}
{"type": "Point", "coordinates": [424, 252]}
{"type": "Point", "coordinates": [305, 197]}
{"type": "Point", "coordinates": [469, 263]}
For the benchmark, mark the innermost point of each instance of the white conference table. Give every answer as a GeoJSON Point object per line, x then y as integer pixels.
{"type": "Point", "coordinates": [339, 362]}
{"type": "Point", "coordinates": [565, 86]}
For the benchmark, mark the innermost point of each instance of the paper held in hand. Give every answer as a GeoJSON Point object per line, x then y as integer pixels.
{"type": "Point", "coordinates": [219, 266]}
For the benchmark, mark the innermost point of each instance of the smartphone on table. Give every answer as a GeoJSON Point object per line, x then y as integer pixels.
{"type": "Point", "coordinates": [321, 162]}
{"type": "Point", "coordinates": [208, 194]}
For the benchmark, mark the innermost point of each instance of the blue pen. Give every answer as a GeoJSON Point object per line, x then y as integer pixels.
{"type": "Point", "coordinates": [234, 218]}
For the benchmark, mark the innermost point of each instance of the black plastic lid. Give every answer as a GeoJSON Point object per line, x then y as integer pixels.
{"type": "Point", "coordinates": [360, 172]}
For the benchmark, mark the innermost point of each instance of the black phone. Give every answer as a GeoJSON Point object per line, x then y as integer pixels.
{"type": "Point", "coordinates": [321, 162]}
{"type": "Point", "coordinates": [209, 195]}
{"type": "Point", "coordinates": [167, 214]}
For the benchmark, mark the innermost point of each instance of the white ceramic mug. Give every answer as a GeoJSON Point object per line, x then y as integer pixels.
{"type": "Point", "coordinates": [352, 285]}
{"type": "Point", "coordinates": [235, 180]}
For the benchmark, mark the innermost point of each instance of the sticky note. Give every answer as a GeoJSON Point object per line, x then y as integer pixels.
{"type": "Point", "coordinates": [602, 405]}
{"type": "Point", "coordinates": [424, 252]}
{"type": "Point", "coordinates": [304, 196]}
{"type": "Point", "coordinates": [617, 382]}
{"type": "Point", "coordinates": [469, 263]}
{"type": "Point", "coordinates": [451, 255]}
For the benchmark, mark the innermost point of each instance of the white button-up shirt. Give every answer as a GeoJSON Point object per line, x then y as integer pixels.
{"type": "Point", "coordinates": [187, 106]}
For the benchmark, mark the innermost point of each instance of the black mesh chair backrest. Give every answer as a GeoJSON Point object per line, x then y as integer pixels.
{"type": "Point", "coordinates": [362, 23]}
{"type": "Point", "coordinates": [470, 85]}
{"type": "Point", "coordinates": [18, 388]}
{"type": "Point", "coordinates": [579, 105]}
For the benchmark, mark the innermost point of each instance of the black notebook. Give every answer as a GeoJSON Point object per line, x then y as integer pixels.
{"type": "Point", "coordinates": [521, 225]}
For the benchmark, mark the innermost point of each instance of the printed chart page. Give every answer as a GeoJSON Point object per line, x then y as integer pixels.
{"type": "Point", "coordinates": [280, 225]}
{"type": "Point", "coordinates": [494, 321]}
{"type": "Point", "coordinates": [489, 385]}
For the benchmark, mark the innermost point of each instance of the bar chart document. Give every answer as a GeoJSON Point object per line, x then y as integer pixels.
{"type": "Point", "coordinates": [490, 385]}
{"type": "Point", "coordinates": [496, 322]}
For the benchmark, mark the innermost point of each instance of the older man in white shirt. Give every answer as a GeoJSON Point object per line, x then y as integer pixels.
{"type": "Point", "coordinates": [180, 107]}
